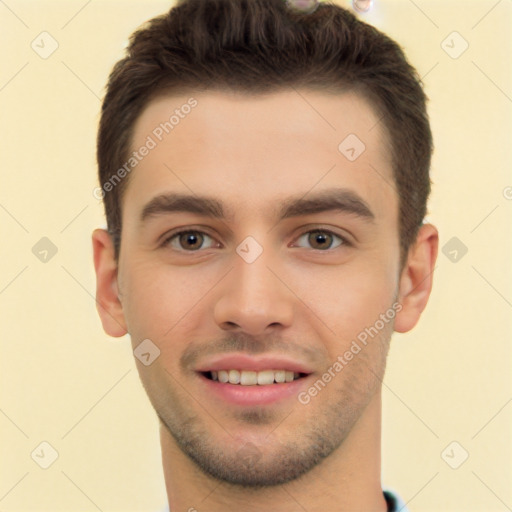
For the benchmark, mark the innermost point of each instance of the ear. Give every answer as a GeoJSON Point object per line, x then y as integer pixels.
{"type": "Point", "coordinates": [108, 304]}
{"type": "Point", "coordinates": [416, 278]}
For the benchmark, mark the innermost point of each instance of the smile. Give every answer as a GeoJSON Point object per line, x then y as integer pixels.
{"type": "Point", "coordinates": [247, 380]}
{"type": "Point", "coordinates": [253, 378]}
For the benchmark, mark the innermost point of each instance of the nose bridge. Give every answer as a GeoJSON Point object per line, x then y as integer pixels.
{"type": "Point", "coordinates": [251, 260]}
{"type": "Point", "coordinates": [254, 279]}
{"type": "Point", "coordinates": [253, 298]}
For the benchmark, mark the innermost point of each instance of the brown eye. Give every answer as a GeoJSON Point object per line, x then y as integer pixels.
{"type": "Point", "coordinates": [190, 241]}
{"type": "Point", "coordinates": [322, 240]}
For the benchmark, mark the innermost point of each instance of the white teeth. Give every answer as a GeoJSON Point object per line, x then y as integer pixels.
{"type": "Point", "coordinates": [265, 377]}
{"type": "Point", "coordinates": [234, 377]}
{"type": "Point", "coordinates": [280, 376]}
{"type": "Point", "coordinates": [250, 378]}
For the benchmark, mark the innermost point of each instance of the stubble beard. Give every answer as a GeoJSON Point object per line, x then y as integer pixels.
{"type": "Point", "coordinates": [279, 459]}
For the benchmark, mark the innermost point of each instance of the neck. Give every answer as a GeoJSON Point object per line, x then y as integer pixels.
{"type": "Point", "coordinates": [347, 480]}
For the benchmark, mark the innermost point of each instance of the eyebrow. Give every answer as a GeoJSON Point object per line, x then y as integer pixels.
{"type": "Point", "coordinates": [172, 203]}
{"type": "Point", "coordinates": [338, 199]}
{"type": "Point", "coordinates": [334, 199]}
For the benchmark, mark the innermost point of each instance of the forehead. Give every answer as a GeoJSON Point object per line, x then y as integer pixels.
{"type": "Point", "coordinates": [257, 149]}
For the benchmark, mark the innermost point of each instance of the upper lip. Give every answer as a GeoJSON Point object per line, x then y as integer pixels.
{"type": "Point", "coordinates": [251, 363]}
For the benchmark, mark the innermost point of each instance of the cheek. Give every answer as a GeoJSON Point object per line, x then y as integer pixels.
{"type": "Point", "coordinates": [162, 301]}
{"type": "Point", "coordinates": [347, 299]}
{"type": "Point", "coordinates": [159, 298]}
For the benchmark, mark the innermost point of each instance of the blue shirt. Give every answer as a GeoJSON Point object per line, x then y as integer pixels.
{"type": "Point", "coordinates": [395, 503]}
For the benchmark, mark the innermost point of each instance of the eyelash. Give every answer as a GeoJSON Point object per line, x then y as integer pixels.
{"type": "Point", "coordinates": [343, 240]}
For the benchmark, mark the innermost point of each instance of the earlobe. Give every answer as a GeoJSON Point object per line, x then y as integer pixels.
{"type": "Point", "coordinates": [108, 304]}
{"type": "Point", "coordinates": [416, 278]}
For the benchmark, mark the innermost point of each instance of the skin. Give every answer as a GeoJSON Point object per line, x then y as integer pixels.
{"type": "Point", "coordinates": [297, 299]}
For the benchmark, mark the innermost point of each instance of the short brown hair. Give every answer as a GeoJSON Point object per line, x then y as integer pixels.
{"type": "Point", "coordinates": [257, 46]}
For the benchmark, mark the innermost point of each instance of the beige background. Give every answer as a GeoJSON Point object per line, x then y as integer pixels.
{"type": "Point", "coordinates": [65, 382]}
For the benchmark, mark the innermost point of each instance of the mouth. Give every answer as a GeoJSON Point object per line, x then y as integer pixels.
{"type": "Point", "coordinates": [253, 378]}
{"type": "Point", "coordinates": [243, 380]}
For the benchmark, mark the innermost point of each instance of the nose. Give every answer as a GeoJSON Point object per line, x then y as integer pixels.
{"type": "Point", "coordinates": [254, 298]}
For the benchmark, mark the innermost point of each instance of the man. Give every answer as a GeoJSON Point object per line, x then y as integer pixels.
{"type": "Point", "coordinates": [265, 172]}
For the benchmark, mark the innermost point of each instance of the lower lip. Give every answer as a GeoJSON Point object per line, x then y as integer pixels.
{"type": "Point", "coordinates": [253, 395]}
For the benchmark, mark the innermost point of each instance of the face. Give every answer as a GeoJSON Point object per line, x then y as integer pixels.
{"type": "Point", "coordinates": [254, 246]}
